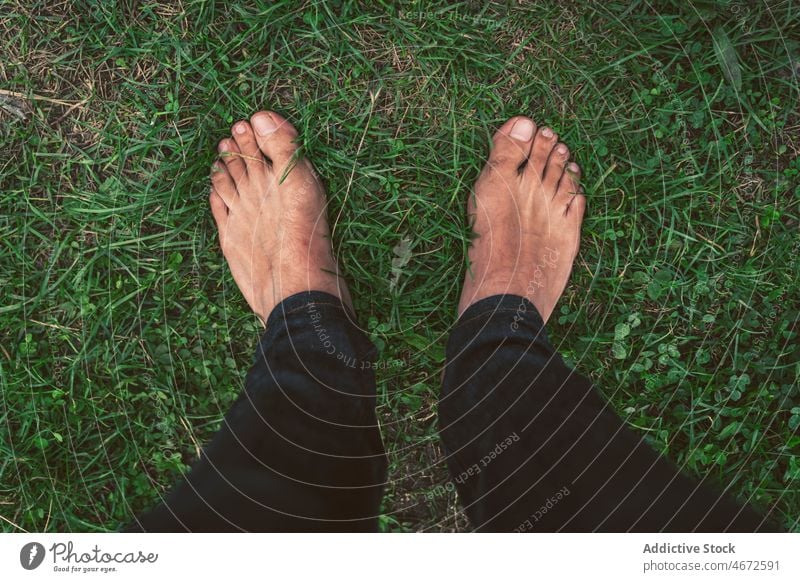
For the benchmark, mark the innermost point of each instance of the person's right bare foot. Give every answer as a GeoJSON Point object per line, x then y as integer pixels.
{"type": "Point", "coordinates": [526, 212]}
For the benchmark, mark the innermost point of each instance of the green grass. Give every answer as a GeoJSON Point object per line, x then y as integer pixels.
{"type": "Point", "coordinates": [125, 339]}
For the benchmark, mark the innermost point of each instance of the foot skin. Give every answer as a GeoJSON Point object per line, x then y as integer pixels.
{"type": "Point", "coordinates": [270, 210]}
{"type": "Point", "coordinates": [526, 213]}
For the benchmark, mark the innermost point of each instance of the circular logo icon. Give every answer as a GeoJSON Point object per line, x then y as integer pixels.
{"type": "Point", "coordinates": [31, 555]}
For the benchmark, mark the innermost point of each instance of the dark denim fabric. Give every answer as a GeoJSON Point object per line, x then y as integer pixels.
{"type": "Point", "coordinates": [300, 449]}
{"type": "Point", "coordinates": [530, 444]}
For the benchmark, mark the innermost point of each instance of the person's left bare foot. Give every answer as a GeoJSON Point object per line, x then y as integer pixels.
{"type": "Point", "coordinates": [270, 209]}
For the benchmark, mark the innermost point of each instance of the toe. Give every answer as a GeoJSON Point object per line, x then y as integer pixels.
{"type": "Point", "coordinates": [569, 188]}
{"type": "Point", "coordinates": [577, 205]}
{"type": "Point", "coordinates": [543, 144]}
{"type": "Point", "coordinates": [246, 141]}
{"type": "Point", "coordinates": [223, 184]}
{"type": "Point", "coordinates": [554, 169]}
{"type": "Point", "coordinates": [232, 156]}
{"type": "Point", "coordinates": [276, 137]}
{"type": "Point", "coordinates": [570, 182]}
{"type": "Point", "coordinates": [218, 210]}
{"type": "Point", "coordinates": [512, 144]}
{"type": "Point", "coordinates": [569, 185]}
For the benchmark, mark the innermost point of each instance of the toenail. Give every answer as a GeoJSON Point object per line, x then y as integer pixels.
{"type": "Point", "coordinates": [522, 130]}
{"type": "Point", "coordinates": [223, 146]}
{"type": "Point", "coordinates": [562, 149]}
{"type": "Point", "coordinates": [240, 128]}
{"type": "Point", "coordinates": [573, 167]}
{"type": "Point", "coordinates": [264, 124]}
{"type": "Point", "coordinates": [547, 132]}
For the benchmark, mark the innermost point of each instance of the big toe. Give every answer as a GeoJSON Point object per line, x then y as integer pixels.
{"type": "Point", "coordinates": [512, 144]}
{"type": "Point", "coordinates": [276, 137]}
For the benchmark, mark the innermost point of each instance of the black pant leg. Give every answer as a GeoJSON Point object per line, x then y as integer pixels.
{"type": "Point", "coordinates": [300, 449]}
{"type": "Point", "coordinates": [533, 447]}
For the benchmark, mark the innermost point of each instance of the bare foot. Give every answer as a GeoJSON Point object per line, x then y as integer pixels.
{"type": "Point", "coordinates": [526, 212]}
{"type": "Point", "coordinates": [270, 211]}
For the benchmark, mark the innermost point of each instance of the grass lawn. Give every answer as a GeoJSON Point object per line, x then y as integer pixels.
{"type": "Point", "coordinates": [124, 338]}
